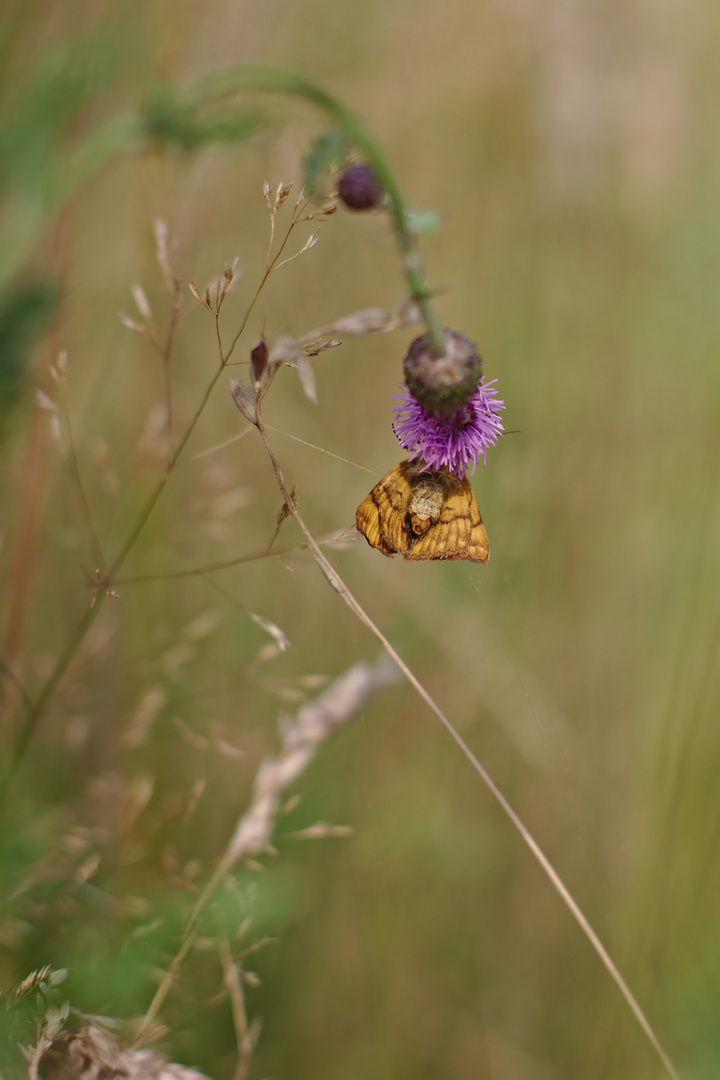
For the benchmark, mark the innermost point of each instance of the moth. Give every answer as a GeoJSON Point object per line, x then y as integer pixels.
{"type": "Point", "coordinates": [423, 515]}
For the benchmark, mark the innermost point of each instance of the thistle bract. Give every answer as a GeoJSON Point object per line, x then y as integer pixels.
{"type": "Point", "coordinates": [442, 384]}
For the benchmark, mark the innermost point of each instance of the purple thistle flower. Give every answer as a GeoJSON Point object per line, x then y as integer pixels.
{"type": "Point", "coordinates": [453, 443]}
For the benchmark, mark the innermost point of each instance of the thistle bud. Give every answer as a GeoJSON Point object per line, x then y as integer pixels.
{"type": "Point", "coordinates": [443, 384]}
{"type": "Point", "coordinates": [359, 188]}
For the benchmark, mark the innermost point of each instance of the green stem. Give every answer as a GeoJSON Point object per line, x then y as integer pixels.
{"type": "Point", "coordinates": [34, 709]}
{"type": "Point", "coordinates": [160, 486]}
{"type": "Point", "coordinates": [271, 78]}
{"type": "Point", "coordinates": [127, 132]}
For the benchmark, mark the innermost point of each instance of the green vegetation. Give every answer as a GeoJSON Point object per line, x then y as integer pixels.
{"type": "Point", "coordinates": [577, 245]}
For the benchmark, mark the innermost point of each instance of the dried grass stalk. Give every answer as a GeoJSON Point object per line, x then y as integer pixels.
{"type": "Point", "coordinates": [301, 738]}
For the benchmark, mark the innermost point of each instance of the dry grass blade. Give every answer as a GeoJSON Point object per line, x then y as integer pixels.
{"type": "Point", "coordinates": [300, 741]}
{"type": "Point", "coordinates": [336, 582]}
{"type": "Point", "coordinates": [246, 1033]}
{"type": "Point", "coordinates": [301, 738]}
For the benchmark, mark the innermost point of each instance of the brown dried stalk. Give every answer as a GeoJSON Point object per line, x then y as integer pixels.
{"type": "Point", "coordinates": [300, 739]}
{"type": "Point", "coordinates": [246, 1033]}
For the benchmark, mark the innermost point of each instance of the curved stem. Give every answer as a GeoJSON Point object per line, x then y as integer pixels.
{"type": "Point", "coordinates": [272, 78]}
{"type": "Point", "coordinates": [127, 132]}
{"type": "Point", "coordinates": [34, 709]}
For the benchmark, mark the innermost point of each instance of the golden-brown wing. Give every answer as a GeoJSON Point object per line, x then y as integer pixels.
{"type": "Point", "coordinates": [393, 497]}
{"type": "Point", "coordinates": [479, 546]}
{"type": "Point", "coordinates": [367, 521]}
{"type": "Point", "coordinates": [458, 533]}
{"type": "Point", "coordinates": [381, 515]}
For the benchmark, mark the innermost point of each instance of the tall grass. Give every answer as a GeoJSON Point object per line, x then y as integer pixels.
{"type": "Point", "coordinates": [579, 665]}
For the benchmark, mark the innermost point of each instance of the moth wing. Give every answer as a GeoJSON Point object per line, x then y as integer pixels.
{"type": "Point", "coordinates": [393, 494]}
{"type": "Point", "coordinates": [458, 533]}
{"type": "Point", "coordinates": [449, 536]}
{"type": "Point", "coordinates": [478, 549]}
{"type": "Point", "coordinates": [367, 521]}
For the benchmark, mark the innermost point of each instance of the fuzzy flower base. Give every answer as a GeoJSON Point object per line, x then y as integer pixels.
{"type": "Point", "coordinates": [455, 443]}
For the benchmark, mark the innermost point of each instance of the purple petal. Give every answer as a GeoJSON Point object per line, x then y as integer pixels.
{"type": "Point", "coordinates": [454, 444]}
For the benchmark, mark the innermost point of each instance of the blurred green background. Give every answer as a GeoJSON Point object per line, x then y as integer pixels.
{"type": "Point", "coordinates": [572, 153]}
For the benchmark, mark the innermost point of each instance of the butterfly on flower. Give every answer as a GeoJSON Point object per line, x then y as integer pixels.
{"type": "Point", "coordinates": [423, 515]}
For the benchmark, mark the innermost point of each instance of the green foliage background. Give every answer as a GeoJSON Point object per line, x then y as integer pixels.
{"type": "Point", "coordinates": [571, 153]}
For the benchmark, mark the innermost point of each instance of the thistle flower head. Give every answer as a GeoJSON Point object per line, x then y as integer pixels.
{"type": "Point", "coordinates": [455, 441]}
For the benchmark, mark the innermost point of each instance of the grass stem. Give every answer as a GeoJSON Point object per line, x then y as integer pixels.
{"type": "Point", "coordinates": [341, 588]}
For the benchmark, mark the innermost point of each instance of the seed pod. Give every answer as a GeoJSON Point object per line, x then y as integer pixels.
{"type": "Point", "coordinates": [244, 398]}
